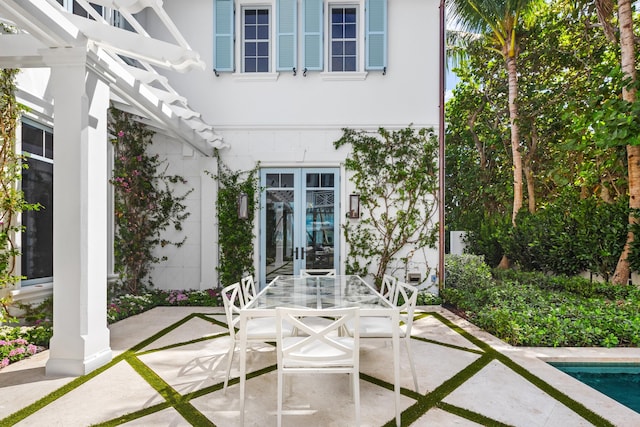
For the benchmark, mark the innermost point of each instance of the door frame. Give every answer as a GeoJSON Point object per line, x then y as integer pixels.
{"type": "Point", "coordinates": [299, 189]}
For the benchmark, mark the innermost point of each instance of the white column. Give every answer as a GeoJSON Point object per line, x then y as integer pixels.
{"type": "Point", "coordinates": [80, 340]}
{"type": "Point", "coordinates": [208, 224]}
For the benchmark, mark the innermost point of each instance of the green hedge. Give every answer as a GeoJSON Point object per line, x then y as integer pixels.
{"type": "Point", "coordinates": [534, 309]}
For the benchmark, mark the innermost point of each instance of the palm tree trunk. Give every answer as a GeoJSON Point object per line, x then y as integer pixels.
{"type": "Point", "coordinates": [628, 61]}
{"type": "Point", "coordinates": [515, 136]}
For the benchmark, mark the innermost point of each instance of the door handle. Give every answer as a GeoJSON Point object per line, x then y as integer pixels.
{"type": "Point", "coordinates": [301, 253]}
{"type": "Point", "coordinates": [296, 253]}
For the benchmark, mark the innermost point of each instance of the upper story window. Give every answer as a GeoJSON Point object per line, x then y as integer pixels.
{"type": "Point", "coordinates": [112, 16]}
{"type": "Point", "coordinates": [344, 39]}
{"type": "Point", "coordinates": [300, 35]}
{"type": "Point", "coordinates": [255, 40]}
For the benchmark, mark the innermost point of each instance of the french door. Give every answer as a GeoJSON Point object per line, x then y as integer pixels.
{"type": "Point", "coordinates": [299, 220]}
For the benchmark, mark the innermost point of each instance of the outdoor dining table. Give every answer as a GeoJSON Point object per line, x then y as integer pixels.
{"type": "Point", "coordinates": [319, 292]}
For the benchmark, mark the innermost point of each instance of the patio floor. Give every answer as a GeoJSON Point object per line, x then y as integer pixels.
{"type": "Point", "coordinates": [169, 365]}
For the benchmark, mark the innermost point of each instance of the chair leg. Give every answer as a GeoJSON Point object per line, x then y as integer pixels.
{"type": "Point", "coordinates": [407, 342]}
{"type": "Point", "coordinates": [280, 391]}
{"type": "Point", "coordinates": [230, 354]}
{"type": "Point", "coordinates": [356, 395]}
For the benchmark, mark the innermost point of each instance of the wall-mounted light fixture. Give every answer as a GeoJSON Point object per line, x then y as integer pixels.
{"type": "Point", "coordinates": [243, 206]}
{"type": "Point", "coordinates": [354, 206]}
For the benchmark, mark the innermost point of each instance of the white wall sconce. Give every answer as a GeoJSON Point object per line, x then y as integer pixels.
{"type": "Point", "coordinates": [354, 206]}
{"type": "Point", "coordinates": [243, 206]}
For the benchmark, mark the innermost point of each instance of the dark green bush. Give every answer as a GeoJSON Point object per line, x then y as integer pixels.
{"type": "Point", "coordinates": [466, 272]}
{"type": "Point", "coordinates": [533, 309]}
{"type": "Point", "coordinates": [568, 237]}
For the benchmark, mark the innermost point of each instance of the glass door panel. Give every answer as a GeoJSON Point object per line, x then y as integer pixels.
{"type": "Point", "coordinates": [320, 220]}
{"type": "Point", "coordinates": [279, 214]}
{"type": "Point", "coordinates": [298, 227]}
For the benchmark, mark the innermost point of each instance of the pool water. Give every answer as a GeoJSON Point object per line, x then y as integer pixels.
{"type": "Point", "coordinates": [619, 381]}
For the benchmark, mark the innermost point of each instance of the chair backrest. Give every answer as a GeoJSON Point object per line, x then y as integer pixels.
{"type": "Point", "coordinates": [389, 289]}
{"type": "Point", "coordinates": [314, 346]}
{"type": "Point", "coordinates": [318, 272]}
{"type": "Point", "coordinates": [407, 295]}
{"type": "Point", "coordinates": [233, 301]}
{"type": "Point", "coordinates": [248, 289]}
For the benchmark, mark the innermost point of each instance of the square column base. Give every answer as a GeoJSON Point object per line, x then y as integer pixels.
{"type": "Point", "coordinates": [75, 367]}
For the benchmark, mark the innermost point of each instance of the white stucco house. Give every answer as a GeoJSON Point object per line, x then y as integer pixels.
{"type": "Point", "coordinates": [268, 81]}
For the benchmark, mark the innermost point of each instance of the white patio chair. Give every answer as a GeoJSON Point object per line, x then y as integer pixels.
{"type": "Point", "coordinates": [381, 327]}
{"type": "Point", "coordinates": [318, 272]}
{"type": "Point", "coordinates": [258, 329]}
{"type": "Point", "coordinates": [388, 289]}
{"type": "Point", "coordinates": [318, 351]}
{"type": "Point", "coordinates": [248, 289]}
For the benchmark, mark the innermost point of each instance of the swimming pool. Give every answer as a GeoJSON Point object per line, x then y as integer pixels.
{"type": "Point", "coordinates": [619, 381]}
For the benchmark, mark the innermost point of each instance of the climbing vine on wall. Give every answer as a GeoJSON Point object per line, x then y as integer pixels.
{"type": "Point", "coordinates": [12, 200]}
{"type": "Point", "coordinates": [235, 235]}
{"type": "Point", "coordinates": [144, 203]}
{"type": "Point", "coordinates": [396, 176]}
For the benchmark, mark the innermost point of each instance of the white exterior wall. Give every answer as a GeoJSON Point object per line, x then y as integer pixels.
{"type": "Point", "coordinates": [282, 120]}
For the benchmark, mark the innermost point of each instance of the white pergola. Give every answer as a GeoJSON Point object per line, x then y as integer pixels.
{"type": "Point", "coordinates": [92, 65]}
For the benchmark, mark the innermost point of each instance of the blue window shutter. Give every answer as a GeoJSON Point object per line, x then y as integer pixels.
{"type": "Point", "coordinates": [312, 32]}
{"type": "Point", "coordinates": [376, 34]}
{"type": "Point", "coordinates": [223, 35]}
{"type": "Point", "coordinates": [286, 39]}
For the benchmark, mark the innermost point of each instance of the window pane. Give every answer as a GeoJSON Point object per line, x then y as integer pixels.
{"type": "Point", "coordinates": [350, 15]}
{"type": "Point", "coordinates": [32, 139]}
{"type": "Point", "coordinates": [313, 180]}
{"type": "Point", "coordinates": [286, 180]}
{"type": "Point", "coordinates": [37, 239]}
{"type": "Point", "coordinates": [337, 48]}
{"type": "Point", "coordinates": [250, 65]}
{"type": "Point", "coordinates": [327, 179]}
{"type": "Point", "coordinates": [337, 16]}
{"type": "Point", "coordinates": [263, 16]}
{"type": "Point", "coordinates": [250, 17]}
{"type": "Point", "coordinates": [350, 31]}
{"type": "Point", "coordinates": [250, 49]}
{"type": "Point", "coordinates": [263, 65]}
{"type": "Point", "coordinates": [336, 64]}
{"type": "Point", "coordinates": [337, 31]}
{"type": "Point", "coordinates": [349, 64]}
{"type": "Point", "coordinates": [263, 32]}
{"type": "Point", "coordinates": [273, 180]}
{"type": "Point", "coordinates": [263, 49]}
{"type": "Point", "coordinates": [250, 33]}
{"type": "Point", "coordinates": [350, 48]}
{"type": "Point", "coordinates": [48, 145]}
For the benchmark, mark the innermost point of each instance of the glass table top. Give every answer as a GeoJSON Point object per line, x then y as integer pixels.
{"type": "Point", "coordinates": [319, 292]}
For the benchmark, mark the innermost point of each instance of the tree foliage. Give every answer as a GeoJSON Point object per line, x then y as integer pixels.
{"type": "Point", "coordinates": [396, 176]}
{"type": "Point", "coordinates": [570, 117]}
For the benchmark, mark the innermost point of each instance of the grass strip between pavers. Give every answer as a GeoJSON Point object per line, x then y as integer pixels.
{"type": "Point", "coordinates": [470, 415]}
{"type": "Point", "coordinates": [162, 333]}
{"type": "Point", "coordinates": [179, 402]}
{"type": "Point", "coordinates": [434, 398]}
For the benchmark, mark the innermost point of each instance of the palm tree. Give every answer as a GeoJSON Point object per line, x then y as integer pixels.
{"type": "Point", "coordinates": [628, 64]}
{"type": "Point", "coordinates": [499, 20]}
